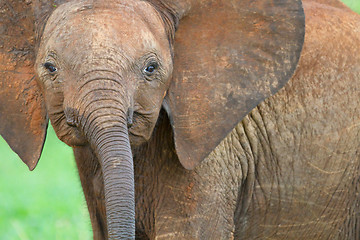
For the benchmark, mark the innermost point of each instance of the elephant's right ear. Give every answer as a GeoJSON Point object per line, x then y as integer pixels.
{"type": "Point", "coordinates": [229, 56]}
{"type": "Point", "coordinates": [23, 119]}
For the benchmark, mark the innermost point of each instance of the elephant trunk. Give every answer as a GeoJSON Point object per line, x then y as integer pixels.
{"type": "Point", "coordinates": [104, 123]}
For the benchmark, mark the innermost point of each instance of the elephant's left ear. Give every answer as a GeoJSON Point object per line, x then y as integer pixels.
{"type": "Point", "coordinates": [229, 55]}
{"type": "Point", "coordinates": [23, 118]}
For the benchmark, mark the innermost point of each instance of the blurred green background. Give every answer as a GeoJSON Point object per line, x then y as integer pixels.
{"type": "Point", "coordinates": [353, 4]}
{"type": "Point", "coordinates": [47, 203]}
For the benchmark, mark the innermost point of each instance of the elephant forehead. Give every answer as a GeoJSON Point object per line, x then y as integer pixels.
{"type": "Point", "coordinates": [124, 27]}
{"type": "Point", "coordinates": [127, 31]}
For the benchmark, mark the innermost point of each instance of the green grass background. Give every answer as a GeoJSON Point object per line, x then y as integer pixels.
{"type": "Point", "coordinates": [47, 203]}
{"type": "Point", "coordinates": [353, 4]}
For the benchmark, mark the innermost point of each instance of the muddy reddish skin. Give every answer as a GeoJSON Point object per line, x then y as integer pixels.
{"type": "Point", "coordinates": [22, 108]}
{"type": "Point", "coordinates": [287, 169]}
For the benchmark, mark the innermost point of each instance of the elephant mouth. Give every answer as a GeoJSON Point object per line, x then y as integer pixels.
{"type": "Point", "coordinates": [136, 138]}
{"type": "Point", "coordinates": [140, 130]}
{"type": "Point", "coordinates": [66, 131]}
{"type": "Point", "coordinates": [67, 128]}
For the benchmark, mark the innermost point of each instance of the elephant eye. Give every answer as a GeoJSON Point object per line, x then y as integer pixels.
{"type": "Point", "coordinates": [151, 68]}
{"type": "Point", "coordinates": [50, 67]}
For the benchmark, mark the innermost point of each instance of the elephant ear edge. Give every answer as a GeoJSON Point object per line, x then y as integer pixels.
{"type": "Point", "coordinates": [229, 56]}
{"type": "Point", "coordinates": [23, 118]}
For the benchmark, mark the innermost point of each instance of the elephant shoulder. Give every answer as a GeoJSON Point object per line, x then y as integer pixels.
{"type": "Point", "coordinates": [332, 31]}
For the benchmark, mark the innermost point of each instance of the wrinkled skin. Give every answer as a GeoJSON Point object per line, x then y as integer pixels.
{"type": "Point", "coordinates": [286, 171]}
{"type": "Point", "coordinates": [104, 88]}
{"type": "Point", "coordinates": [103, 69]}
{"type": "Point", "coordinates": [106, 54]}
{"type": "Point", "coordinates": [289, 170]}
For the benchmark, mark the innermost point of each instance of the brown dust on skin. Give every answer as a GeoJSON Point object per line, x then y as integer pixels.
{"type": "Point", "coordinates": [258, 181]}
{"type": "Point", "coordinates": [121, 70]}
{"type": "Point", "coordinates": [148, 94]}
{"type": "Point", "coordinates": [22, 113]}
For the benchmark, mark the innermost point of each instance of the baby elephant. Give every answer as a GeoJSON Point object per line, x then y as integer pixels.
{"type": "Point", "coordinates": [192, 119]}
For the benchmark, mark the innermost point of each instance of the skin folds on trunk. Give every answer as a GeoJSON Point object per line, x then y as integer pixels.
{"type": "Point", "coordinates": [104, 122]}
{"type": "Point", "coordinates": [114, 154]}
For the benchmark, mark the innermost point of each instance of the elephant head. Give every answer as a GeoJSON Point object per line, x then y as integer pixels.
{"type": "Point", "coordinates": [102, 70]}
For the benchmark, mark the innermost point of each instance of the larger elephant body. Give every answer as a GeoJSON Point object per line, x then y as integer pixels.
{"type": "Point", "coordinates": [289, 170]}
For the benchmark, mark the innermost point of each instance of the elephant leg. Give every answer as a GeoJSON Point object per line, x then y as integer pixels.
{"type": "Point", "coordinates": [181, 204]}
{"type": "Point", "coordinates": [174, 203]}
{"type": "Point", "coordinates": [92, 183]}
